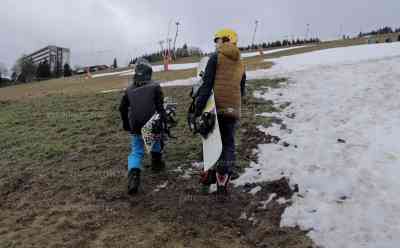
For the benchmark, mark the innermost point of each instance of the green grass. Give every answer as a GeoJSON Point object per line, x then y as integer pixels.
{"type": "Point", "coordinates": [262, 84]}
{"type": "Point", "coordinates": [184, 60]}
{"type": "Point", "coordinates": [70, 151]}
{"type": "Point", "coordinates": [58, 127]}
{"type": "Point", "coordinates": [51, 127]}
{"type": "Point", "coordinates": [260, 105]}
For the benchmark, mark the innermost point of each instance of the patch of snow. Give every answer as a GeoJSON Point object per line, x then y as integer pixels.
{"type": "Point", "coordinates": [259, 93]}
{"type": "Point", "coordinates": [111, 91]}
{"type": "Point", "coordinates": [254, 54]}
{"type": "Point", "coordinates": [174, 67]}
{"type": "Point", "coordinates": [249, 55]}
{"type": "Point", "coordinates": [348, 191]}
{"type": "Point", "coordinates": [171, 67]}
{"type": "Point", "coordinates": [198, 165]}
{"type": "Point", "coordinates": [120, 73]}
{"type": "Point", "coordinates": [284, 49]}
{"type": "Point", "coordinates": [255, 190]}
{"type": "Point", "coordinates": [252, 219]}
{"type": "Point", "coordinates": [127, 73]}
{"type": "Point", "coordinates": [270, 198]}
{"type": "Point", "coordinates": [270, 115]}
{"type": "Point", "coordinates": [180, 82]}
{"type": "Point", "coordinates": [282, 201]}
{"type": "Point", "coordinates": [187, 174]}
{"type": "Point", "coordinates": [178, 170]}
{"type": "Point", "coordinates": [331, 57]}
{"type": "Point", "coordinates": [161, 186]}
{"type": "Point", "coordinates": [213, 188]}
{"type": "Point", "coordinates": [156, 68]}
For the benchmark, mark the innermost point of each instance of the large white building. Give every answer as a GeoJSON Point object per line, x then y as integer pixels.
{"type": "Point", "coordinates": [57, 57]}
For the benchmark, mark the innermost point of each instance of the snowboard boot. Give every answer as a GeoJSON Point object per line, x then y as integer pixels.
{"type": "Point", "coordinates": [222, 177]}
{"type": "Point", "coordinates": [206, 179]}
{"type": "Point", "coordinates": [222, 184]}
{"type": "Point", "coordinates": [133, 181]}
{"type": "Point", "coordinates": [157, 163]}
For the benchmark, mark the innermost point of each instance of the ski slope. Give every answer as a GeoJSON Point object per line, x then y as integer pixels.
{"type": "Point", "coordinates": [334, 56]}
{"type": "Point", "coordinates": [347, 130]}
{"type": "Point", "coordinates": [253, 54]}
{"type": "Point", "coordinates": [173, 67]}
{"type": "Point", "coordinates": [156, 68]}
{"type": "Point", "coordinates": [174, 83]}
{"type": "Point", "coordinates": [176, 66]}
{"type": "Point", "coordinates": [108, 74]}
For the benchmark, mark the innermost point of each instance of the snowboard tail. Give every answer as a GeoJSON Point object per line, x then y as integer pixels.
{"type": "Point", "coordinates": [153, 132]}
{"type": "Point", "coordinates": [212, 144]}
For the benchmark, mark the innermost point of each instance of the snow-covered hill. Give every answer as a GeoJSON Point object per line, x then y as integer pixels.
{"type": "Point", "coordinates": [347, 129]}
{"type": "Point", "coordinates": [254, 54]}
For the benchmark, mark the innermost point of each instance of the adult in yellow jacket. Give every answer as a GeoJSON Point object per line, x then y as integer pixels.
{"type": "Point", "coordinates": [225, 75]}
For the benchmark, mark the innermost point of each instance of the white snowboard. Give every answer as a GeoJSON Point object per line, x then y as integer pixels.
{"type": "Point", "coordinates": [148, 136]}
{"type": "Point", "coordinates": [151, 138]}
{"type": "Point", "coordinates": [212, 146]}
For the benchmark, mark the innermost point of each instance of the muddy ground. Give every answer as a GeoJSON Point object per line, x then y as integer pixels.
{"type": "Point", "coordinates": [63, 183]}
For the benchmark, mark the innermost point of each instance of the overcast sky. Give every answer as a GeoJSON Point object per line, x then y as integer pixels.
{"type": "Point", "coordinates": [98, 30]}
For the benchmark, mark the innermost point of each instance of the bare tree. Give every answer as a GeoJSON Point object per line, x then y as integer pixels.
{"type": "Point", "coordinates": [3, 70]}
{"type": "Point", "coordinates": [25, 69]}
{"type": "Point", "coordinates": [176, 36]}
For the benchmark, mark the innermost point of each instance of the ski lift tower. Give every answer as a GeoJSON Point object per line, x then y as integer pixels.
{"type": "Point", "coordinates": [164, 53]}
{"type": "Point", "coordinates": [176, 36]}
{"type": "Point", "coordinates": [254, 34]}
{"type": "Point", "coordinates": [307, 31]}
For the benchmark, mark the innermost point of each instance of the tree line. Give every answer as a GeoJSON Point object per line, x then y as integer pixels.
{"type": "Point", "coordinates": [25, 70]}
{"type": "Point", "coordinates": [182, 52]}
{"type": "Point", "coordinates": [280, 43]}
{"type": "Point", "coordinates": [379, 31]}
{"type": "Point", "coordinates": [3, 74]}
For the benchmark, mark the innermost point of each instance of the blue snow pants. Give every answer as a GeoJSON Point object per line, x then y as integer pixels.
{"type": "Point", "coordinates": [135, 158]}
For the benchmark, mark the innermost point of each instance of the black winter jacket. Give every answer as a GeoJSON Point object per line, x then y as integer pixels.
{"type": "Point", "coordinates": [139, 104]}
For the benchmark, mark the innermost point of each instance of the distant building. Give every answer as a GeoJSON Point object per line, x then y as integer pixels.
{"type": "Point", "coordinates": [194, 51]}
{"type": "Point", "coordinates": [92, 68]}
{"type": "Point", "coordinates": [57, 57]}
